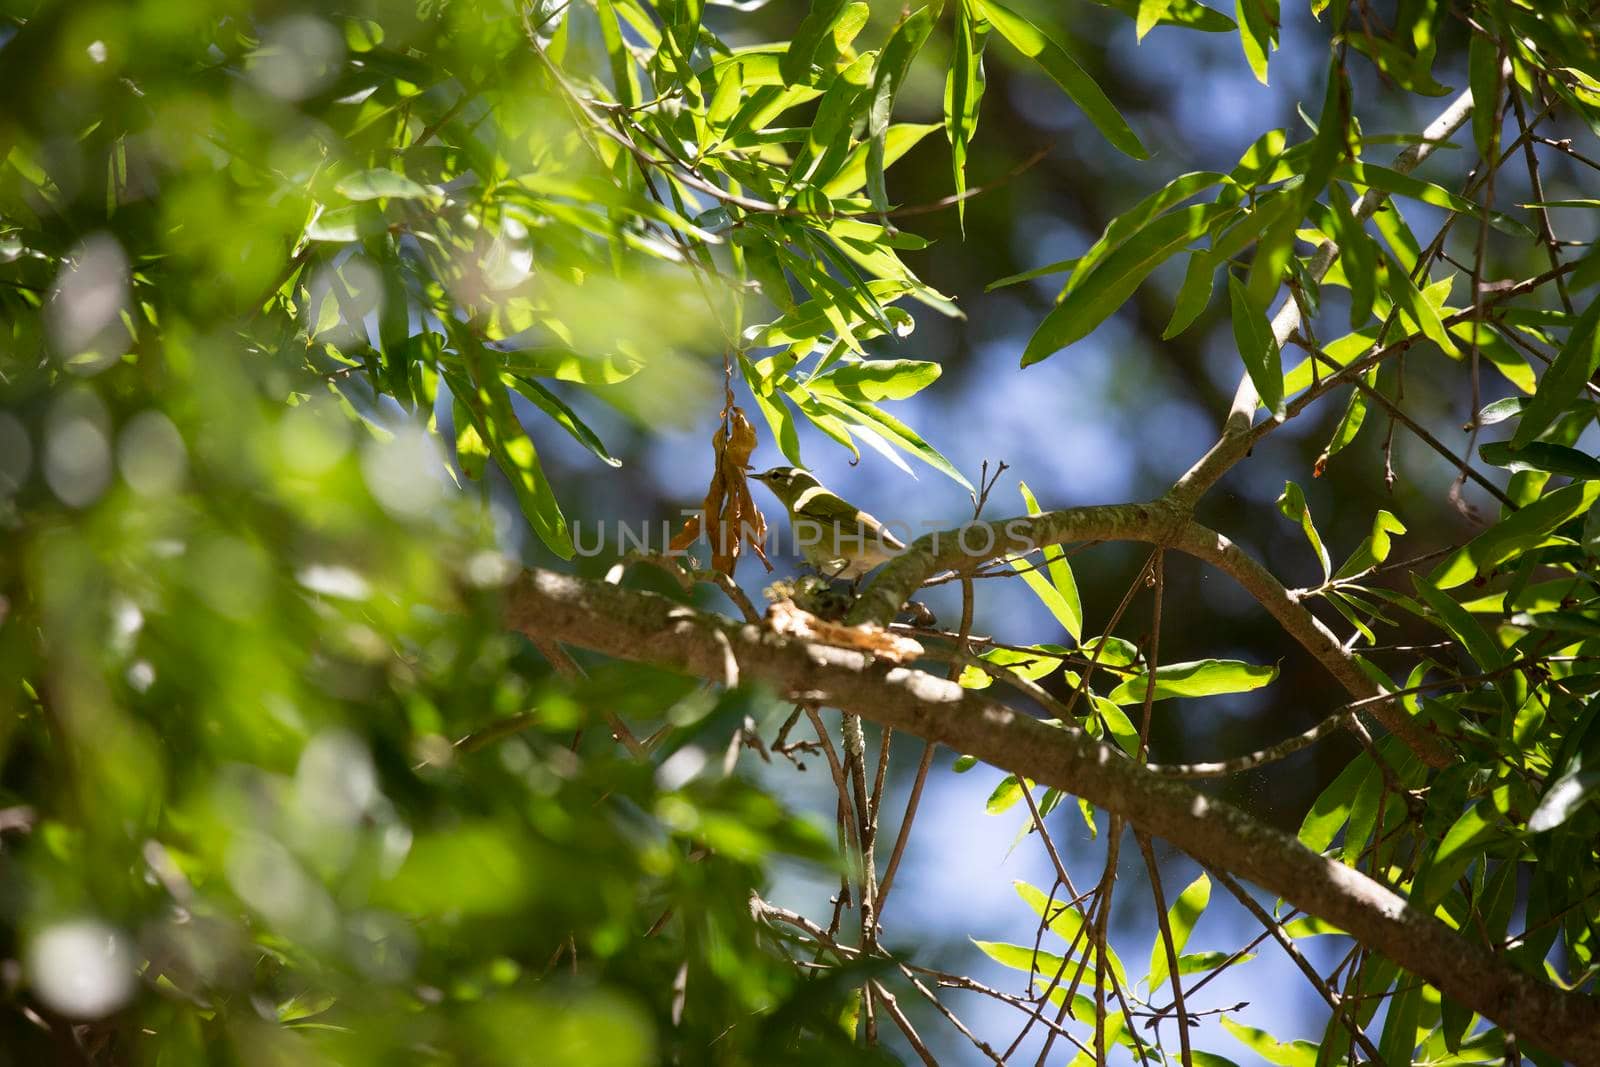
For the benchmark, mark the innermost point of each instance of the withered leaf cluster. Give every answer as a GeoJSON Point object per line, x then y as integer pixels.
{"type": "Point", "coordinates": [729, 517]}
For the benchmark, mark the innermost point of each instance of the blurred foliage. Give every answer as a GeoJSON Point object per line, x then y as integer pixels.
{"type": "Point", "coordinates": [277, 282]}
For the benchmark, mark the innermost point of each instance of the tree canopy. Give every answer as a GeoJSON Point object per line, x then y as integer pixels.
{"type": "Point", "coordinates": [326, 740]}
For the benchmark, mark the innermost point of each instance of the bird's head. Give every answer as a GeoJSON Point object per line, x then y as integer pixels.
{"type": "Point", "coordinates": [787, 483]}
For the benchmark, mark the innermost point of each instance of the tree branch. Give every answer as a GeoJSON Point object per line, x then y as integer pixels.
{"type": "Point", "coordinates": [649, 628]}
{"type": "Point", "coordinates": [1158, 523]}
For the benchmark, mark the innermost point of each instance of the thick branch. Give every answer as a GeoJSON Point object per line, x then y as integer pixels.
{"type": "Point", "coordinates": [649, 628]}
{"type": "Point", "coordinates": [1157, 523]}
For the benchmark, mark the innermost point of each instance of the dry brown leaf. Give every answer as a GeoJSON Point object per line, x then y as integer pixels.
{"type": "Point", "coordinates": [728, 518]}
{"type": "Point", "coordinates": [791, 621]}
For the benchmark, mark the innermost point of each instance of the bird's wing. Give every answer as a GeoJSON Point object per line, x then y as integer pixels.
{"type": "Point", "coordinates": [826, 508]}
{"type": "Point", "coordinates": [878, 531]}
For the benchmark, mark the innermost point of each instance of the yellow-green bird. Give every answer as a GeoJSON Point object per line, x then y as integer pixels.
{"type": "Point", "coordinates": [836, 537]}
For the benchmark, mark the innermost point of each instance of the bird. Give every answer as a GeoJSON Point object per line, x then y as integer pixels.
{"type": "Point", "coordinates": [836, 537]}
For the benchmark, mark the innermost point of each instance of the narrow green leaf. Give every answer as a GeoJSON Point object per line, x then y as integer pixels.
{"type": "Point", "coordinates": [1392, 181]}
{"type": "Point", "coordinates": [1181, 917]}
{"type": "Point", "coordinates": [1461, 625]}
{"type": "Point", "coordinates": [1058, 267]}
{"type": "Point", "coordinates": [1105, 289]}
{"type": "Point", "coordinates": [1542, 456]}
{"type": "Point", "coordinates": [894, 63]}
{"type": "Point", "coordinates": [1269, 1048]}
{"type": "Point", "coordinates": [818, 23]}
{"type": "Point", "coordinates": [1399, 1038]}
{"type": "Point", "coordinates": [564, 416]}
{"type": "Point", "coordinates": [1151, 12]}
{"type": "Point", "coordinates": [1137, 217]}
{"type": "Point", "coordinates": [1574, 365]}
{"type": "Point", "coordinates": [1059, 569]}
{"type": "Point", "coordinates": [1374, 548]}
{"type": "Point", "coordinates": [1331, 810]}
{"type": "Point", "coordinates": [1329, 144]}
{"type": "Point", "coordinates": [852, 175]}
{"type": "Point", "coordinates": [1065, 922]}
{"type": "Point", "coordinates": [1483, 77]}
{"type": "Point", "coordinates": [1577, 785]}
{"type": "Point", "coordinates": [1350, 423]}
{"type": "Point", "coordinates": [1257, 348]}
{"type": "Point", "coordinates": [1187, 14]}
{"type": "Point", "coordinates": [1258, 32]}
{"type": "Point", "coordinates": [376, 184]}
{"type": "Point", "coordinates": [1201, 678]}
{"type": "Point", "coordinates": [1005, 796]}
{"type": "Point", "coordinates": [1357, 252]}
{"type": "Point", "coordinates": [1032, 42]}
{"type": "Point", "coordinates": [963, 93]}
{"type": "Point", "coordinates": [877, 379]}
{"type": "Point", "coordinates": [1476, 827]}
{"type": "Point", "coordinates": [1514, 534]}
{"type": "Point", "coordinates": [1404, 292]}
{"type": "Point", "coordinates": [897, 433]}
{"type": "Point", "coordinates": [1292, 504]}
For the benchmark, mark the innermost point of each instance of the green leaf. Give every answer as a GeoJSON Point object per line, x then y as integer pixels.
{"type": "Point", "coordinates": [1181, 917]}
{"type": "Point", "coordinates": [1203, 962]}
{"type": "Point", "coordinates": [1060, 593]}
{"type": "Point", "coordinates": [1329, 144]}
{"type": "Point", "coordinates": [1115, 278]}
{"type": "Point", "coordinates": [963, 93]}
{"type": "Point", "coordinates": [1374, 548]}
{"type": "Point", "coordinates": [1357, 252]}
{"type": "Point", "coordinates": [899, 140]}
{"type": "Point", "coordinates": [1463, 843]}
{"type": "Point", "coordinates": [1399, 1038]}
{"type": "Point", "coordinates": [1137, 217]}
{"type": "Point", "coordinates": [1292, 504]}
{"type": "Point", "coordinates": [1404, 292]}
{"type": "Point", "coordinates": [1269, 1048]}
{"type": "Point", "coordinates": [1542, 456]}
{"type": "Point", "coordinates": [1577, 785]}
{"type": "Point", "coordinates": [1410, 72]}
{"type": "Point", "coordinates": [894, 63]}
{"type": "Point", "coordinates": [877, 379]}
{"type": "Point", "coordinates": [1188, 14]}
{"type": "Point", "coordinates": [1373, 176]}
{"type": "Point", "coordinates": [1058, 267]}
{"type": "Point", "coordinates": [486, 398]}
{"type": "Point", "coordinates": [1514, 534]}
{"type": "Point", "coordinates": [376, 184]}
{"type": "Point", "coordinates": [1065, 922]}
{"type": "Point", "coordinates": [897, 433]}
{"type": "Point", "coordinates": [1350, 423]}
{"type": "Point", "coordinates": [1063, 919]}
{"type": "Point", "coordinates": [1574, 365]}
{"type": "Point", "coordinates": [1151, 12]}
{"type": "Point", "coordinates": [563, 364]}
{"type": "Point", "coordinates": [1005, 796]}
{"type": "Point", "coordinates": [818, 23]}
{"type": "Point", "coordinates": [1032, 42]}
{"type": "Point", "coordinates": [1032, 665]}
{"type": "Point", "coordinates": [781, 421]}
{"type": "Point", "coordinates": [1460, 623]}
{"type": "Point", "coordinates": [564, 416]}
{"type": "Point", "coordinates": [1257, 347]}
{"type": "Point", "coordinates": [1258, 32]}
{"type": "Point", "coordinates": [1483, 77]}
{"type": "Point", "coordinates": [1201, 678]}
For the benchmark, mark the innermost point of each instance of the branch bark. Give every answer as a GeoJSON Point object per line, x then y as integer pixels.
{"type": "Point", "coordinates": [648, 628]}
{"type": "Point", "coordinates": [1158, 523]}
